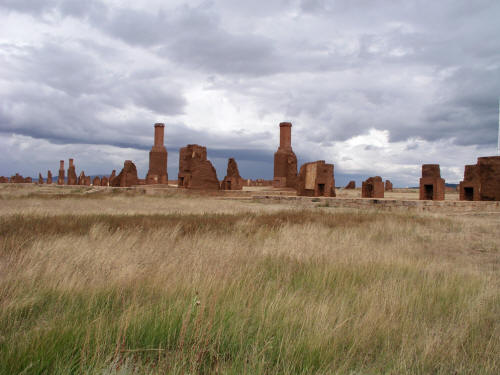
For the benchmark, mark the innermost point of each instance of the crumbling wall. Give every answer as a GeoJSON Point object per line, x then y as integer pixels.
{"type": "Point", "coordinates": [96, 181]}
{"type": "Point", "coordinates": [351, 185]}
{"type": "Point", "coordinates": [373, 187]}
{"type": "Point", "coordinates": [388, 185]}
{"type": "Point", "coordinates": [49, 177]}
{"type": "Point", "coordinates": [233, 180]}
{"type": "Point", "coordinates": [127, 176]}
{"type": "Point", "coordinates": [489, 177]}
{"type": "Point", "coordinates": [316, 179]}
{"type": "Point", "coordinates": [431, 183]}
{"type": "Point", "coordinates": [195, 171]}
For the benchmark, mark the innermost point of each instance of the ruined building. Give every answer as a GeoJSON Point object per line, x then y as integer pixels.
{"type": "Point", "coordinates": [372, 188]}
{"type": "Point", "coordinates": [233, 180]}
{"type": "Point", "coordinates": [72, 179]}
{"type": "Point", "coordinates": [104, 181]}
{"type": "Point", "coordinates": [96, 181]}
{"type": "Point", "coordinates": [127, 176]}
{"type": "Point", "coordinates": [49, 177]}
{"type": "Point", "coordinates": [61, 177]}
{"type": "Point", "coordinates": [40, 179]}
{"type": "Point", "coordinates": [195, 171]}
{"type": "Point", "coordinates": [431, 183]}
{"type": "Point", "coordinates": [285, 161]}
{"type": "Point", "coordinates": [157, 173]}
{"type": "Point", "coordinates": [482, 180]}
{"type": "Point", "coordinates": [388, 185]}
{"type": "Point", "coordinates": [316, 180]}
{"type": "Point", "coordinates": [351, 185]}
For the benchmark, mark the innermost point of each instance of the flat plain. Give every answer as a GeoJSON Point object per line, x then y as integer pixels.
{"type": "Point", "coordinates": [120, 282]}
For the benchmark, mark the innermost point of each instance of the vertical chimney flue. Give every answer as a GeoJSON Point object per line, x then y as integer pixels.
{"type": "Point", "coordinates": [159, 134]}
{"type": "Point", "coordinates": [71, 163]}
{"type": "Point", "coordinates": [61, 164]}
{"type": "Point", "coordinates": [286, 135]}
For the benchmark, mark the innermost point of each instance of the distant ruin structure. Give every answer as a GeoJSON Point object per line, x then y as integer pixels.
{"type": "Point", "coordinates": [388, 185]}
{"type": "Point", "coordinates": [285, 161]}
{"type": "Point", "coordinates": [40, 179]}
{"type": "Point", "coordinates": [3, 180]}
{"type": "Point", "coordinates": [127, 176]}
{"type": "Point", "coordinates": [157, 173]}
{"type": "Point", "coordinates": [195, 171]}
{"type": "Point", "coordinates": [233, 180]}
{"type": "Point", "coordinates": [372, 188]}
{"type": "Point", "coordinates": [104, 181]}
{"type": "Point", "coordinates": [49, 177]}
{"type": "Point", "coordinates": [351, 185]}
{"type": "Point", "coordinates": [61, 177]}
{"type": "Point", "coordinates": [316, 179]}
{"type": "Point", "coordinates": [81, 179]}
{"type": "Point", "coordinates": [96, 181]}
{"type": "Point", "coordinates": [72, 179]}
{"type": "Point", "coordinates": [482, 180]}
{"type": "Point", "coordinates": [431, 183]}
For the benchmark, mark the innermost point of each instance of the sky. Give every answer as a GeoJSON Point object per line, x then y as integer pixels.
{"type": "Point", "coordinates": [375, 87]}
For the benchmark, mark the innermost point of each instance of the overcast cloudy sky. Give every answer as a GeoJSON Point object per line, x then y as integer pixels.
{"type": "Point", "coordinates": [376, 87]}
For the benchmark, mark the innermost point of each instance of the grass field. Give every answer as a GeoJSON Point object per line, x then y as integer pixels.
{"type": "Point", "coordinates": [132, 284]}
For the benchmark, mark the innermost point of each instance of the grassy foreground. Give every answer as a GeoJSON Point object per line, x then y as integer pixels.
{"type": "Point", "coordinates": [285, 292]}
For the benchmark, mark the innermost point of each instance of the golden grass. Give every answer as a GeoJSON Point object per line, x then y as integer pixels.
{"type": "Point", "coordinates": [202, 285]}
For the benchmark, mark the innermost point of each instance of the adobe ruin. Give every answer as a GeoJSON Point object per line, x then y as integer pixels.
{"type": "Point", "coordinates": [3, 180]}
{"type": "Point", "coordinates": [96, 181]}
{"type": "Point", "coordinates": [388, 185]}
{"type": "Point", "coordinates": [431, 183]}
{"type": "Point", "coordinates": [104, 181]}
{"type": "Point", "coordinates": [49, 178]}
{"type": "Point", "coordinates": [285, 161]}
{"type": "Point", "coordinates": [195, 171]}
{"type": "Point", "coordinates": [40, 179]}
{"type": "Point", "coordinates": [127, 176]}
{"type": "Point", "coordinates": [233, 180]}
{"type": "Point", "coordinates": [351, 185]}
{"type": "Point", "coordinates": [72, 179]}
{"type": "Point", "coordinates": [316, 179]}
{"type": "Point", "coordinates": [61, 177]}
{"type": "Point", "coordinates": [482, 180]}
{"type": "Point", "coordinates": [157, 173]}
{"type": "Point", "coordinates": [373, 187]}
{"type": "Point", "coordinates": [81, 179]}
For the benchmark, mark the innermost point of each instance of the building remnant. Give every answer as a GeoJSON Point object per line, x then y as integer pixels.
{"type": "Point", "coordinates": [157, 173]}
{"type": "Point", "coordinates": [351, 185]}
{"type": "Point", "coordinates": [431, 183]}
{"type": "Point", "coordinates": [388, 185]}
{"type": "Point", "coordinates": [233, 180]}
{"type": "Point", "coordinates": [316, 179]}
{"type": "Point", "coordinates": [195, 170]}
{"type": "Point", "coordinates": [285, 161]}
{"type": "Point", "coordinates": [96, 181]}
{"type": "Point", "coordinates": [49, 177]}
{"type": "Point", "coordinates": [72, 179]}
{"type": "Point", "coordinates": [127, 177]}
{"type": "Point", "coordinates": [40, 179]}
{"type": "Point", "coordinates": [373, 187]}
{"type": "Point", "coordinates": [81, 179]}
{"type": "Point", "coordinates": [3, 180]}
{"type": "Point", "coordinates": [482, 180]}
{"type": "Point", "coordinates": [104, 181]}
{"type": "Point", "coordinates": [61, 177]}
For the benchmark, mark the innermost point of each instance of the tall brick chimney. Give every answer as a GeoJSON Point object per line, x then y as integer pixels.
{"type": "Point", "coordinates": [159, 134]}
{"type": "Point", "coordinates": [286, 135]}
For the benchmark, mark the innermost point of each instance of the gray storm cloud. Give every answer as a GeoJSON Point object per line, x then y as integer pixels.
{"type": "Point", "coordinates": [99, 73]}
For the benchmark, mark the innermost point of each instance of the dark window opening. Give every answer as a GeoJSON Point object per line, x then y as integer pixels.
{"type": "Point", "coordinates": [429, 192]}
{"type": "Point", "coordinates": [469, 193]}
{"type": "Point", "coordinates": [181, 181]}
{"type": "Point", "coordinates": [228, 185]}
{"type": "Point", "coordinates": [321, 189]}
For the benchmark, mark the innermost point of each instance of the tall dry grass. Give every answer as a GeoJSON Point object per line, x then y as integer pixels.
{"type": "Point", "coordinates": [296, 291]}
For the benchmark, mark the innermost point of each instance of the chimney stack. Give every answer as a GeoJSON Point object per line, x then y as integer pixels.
{"type": "Point", "coordinates": [286, 135]}
{"type": "Point", "coordinates": [159, 134]}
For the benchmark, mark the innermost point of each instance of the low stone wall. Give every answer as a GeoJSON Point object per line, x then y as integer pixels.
{"type": "Point", "coordinates": [389, 204]}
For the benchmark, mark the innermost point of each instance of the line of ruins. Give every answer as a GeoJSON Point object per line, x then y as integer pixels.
{"type": "Point", "coordinates": [314, 179]}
